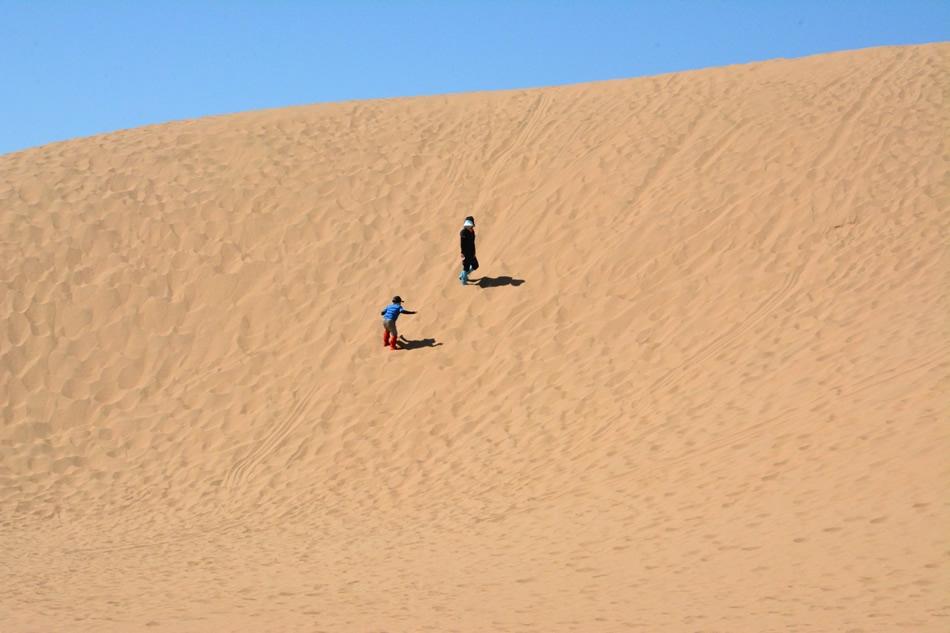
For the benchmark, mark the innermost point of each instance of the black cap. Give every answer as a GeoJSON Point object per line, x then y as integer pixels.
{"type": "Point", "coordinates": [397, 299]}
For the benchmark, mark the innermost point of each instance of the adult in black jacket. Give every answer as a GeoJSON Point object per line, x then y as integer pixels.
{"type": "Point", "coordinates": [467, 239]}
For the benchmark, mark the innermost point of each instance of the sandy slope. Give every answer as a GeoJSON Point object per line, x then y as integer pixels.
{"type": "Point", "coordinates": [717, 402]}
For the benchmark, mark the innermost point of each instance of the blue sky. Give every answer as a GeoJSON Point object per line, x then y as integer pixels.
{"type": "Point", "coordinates": [71, 69]}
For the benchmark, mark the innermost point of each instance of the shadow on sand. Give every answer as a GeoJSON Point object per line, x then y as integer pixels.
{"type": "Point", "coordinates": [495, 282]}
{"type": "Point", "coordinates": [405, 343]}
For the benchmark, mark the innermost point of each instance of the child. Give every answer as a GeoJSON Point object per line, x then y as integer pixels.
{"type": "Point", "coordinates": [390, 313]}
{"type": "Point", "coordinates": [467, 240]}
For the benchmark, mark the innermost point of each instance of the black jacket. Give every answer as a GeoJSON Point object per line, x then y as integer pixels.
{"type": "Point", "coordinates": [468, 242]}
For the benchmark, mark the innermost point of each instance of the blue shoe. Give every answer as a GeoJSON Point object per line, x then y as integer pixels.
{"type": "Point", "coordinates": [464, 278]}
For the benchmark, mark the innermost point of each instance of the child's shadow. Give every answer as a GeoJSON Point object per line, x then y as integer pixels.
{"type": "Point", "coordinates": [494, 282]}
{"type": "Point", "coordinates": [405, 343]}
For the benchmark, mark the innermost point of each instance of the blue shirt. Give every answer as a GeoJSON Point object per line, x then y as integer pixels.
{"type": "Point", "coordinates": [392, 311]}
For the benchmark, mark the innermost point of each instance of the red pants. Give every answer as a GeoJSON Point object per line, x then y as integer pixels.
{"type": "Point", "coordinates": [389, 338]}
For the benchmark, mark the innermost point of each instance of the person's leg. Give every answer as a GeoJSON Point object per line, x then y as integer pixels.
{"type": "Point", "coordinates": [393, 335]}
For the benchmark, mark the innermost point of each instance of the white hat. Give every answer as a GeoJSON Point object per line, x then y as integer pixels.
{"type": "Point", "coordinates": [468, 223]}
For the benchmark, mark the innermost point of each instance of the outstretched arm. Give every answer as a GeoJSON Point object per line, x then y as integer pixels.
{"type": "Point", "coordinates": [408, 312]}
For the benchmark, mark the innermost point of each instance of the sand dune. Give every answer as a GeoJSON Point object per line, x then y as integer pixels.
{"type": "Point", "coordinates": [702, 385]}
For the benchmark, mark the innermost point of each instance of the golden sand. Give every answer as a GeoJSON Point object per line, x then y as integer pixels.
{"type": "Point", "coordinates": [702, 384]}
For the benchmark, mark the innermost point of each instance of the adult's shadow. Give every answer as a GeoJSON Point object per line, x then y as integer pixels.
{"type": "Point", "coordinates": [405, 343]}
{"type": "Point", "coordinates": [495, 282]}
